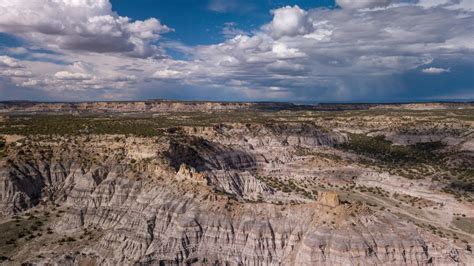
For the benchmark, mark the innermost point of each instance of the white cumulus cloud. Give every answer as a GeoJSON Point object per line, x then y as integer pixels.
{"type": "Point", "coordinates": [357, 50]}
{"type": "Point", "coordinates": [289, 21]}
{"type": "Point", "coordinates": [65, 75]}
{"type": "Point", "coordinates": [435, 70]}
{"type": "Point", "coordinates": [84, 25]}
{"type": "Point", "coordinates": [167, 74]}
{"type": "Point", "coordinates": [6, 61]}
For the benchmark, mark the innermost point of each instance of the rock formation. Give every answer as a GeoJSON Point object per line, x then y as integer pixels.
{"type": "Point", "coordinates": [189, 173]}
{"type": "Point", "coordinates": [273, 193]}
{"type": "Point", "coordinates": [329, 198]}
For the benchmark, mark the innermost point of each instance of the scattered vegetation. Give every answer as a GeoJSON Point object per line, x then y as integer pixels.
{"type": "Point", "coordinates": [21, 229]}
{"type": "Point", "coordinates": [384, 151]}
{"type": "Point", "coordinates": [139, 125]}
{"type": "Point", "coordinates": [377, 191]}
{"type": "Point", "coordinates": [414, 162]}
{"type": "Point", "coordinates": [415, 201]}
{"type": "Point", "coordinates": [74, 125]}
{"type": "Point", "coordinates": [287, 186]}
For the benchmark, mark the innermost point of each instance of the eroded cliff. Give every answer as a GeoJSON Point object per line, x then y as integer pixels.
{"type": "Point", "coordinates": [292, 193]}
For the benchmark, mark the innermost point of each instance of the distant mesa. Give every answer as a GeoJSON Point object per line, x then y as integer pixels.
{"type": "Point", "coordinates": [167, 106]}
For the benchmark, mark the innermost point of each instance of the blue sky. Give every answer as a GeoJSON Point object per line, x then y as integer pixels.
{"type": "Point", "coordinates": [237, 50]}
{"type": "Point", "coordinates": [198, 22]}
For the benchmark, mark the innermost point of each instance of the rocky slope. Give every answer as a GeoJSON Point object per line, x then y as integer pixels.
{"type": "Point", "coordinates": [227, 194]}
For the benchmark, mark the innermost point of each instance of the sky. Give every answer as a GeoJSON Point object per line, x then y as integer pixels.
{"type": "Point", "coordinates": [237, 50]}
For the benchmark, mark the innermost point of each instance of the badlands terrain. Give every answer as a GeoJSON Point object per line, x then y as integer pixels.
{"type": "Point", "coordinates": [208, 183]}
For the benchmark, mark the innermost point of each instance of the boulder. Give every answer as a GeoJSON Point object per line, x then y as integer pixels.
{"type": "Point", "coordinates": [329, 198]}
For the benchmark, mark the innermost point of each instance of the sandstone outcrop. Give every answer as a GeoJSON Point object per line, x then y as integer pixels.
{"type": "Point", "coordinates": [189, 173]}
{"type": "Point", "coordinates": [329, 198]}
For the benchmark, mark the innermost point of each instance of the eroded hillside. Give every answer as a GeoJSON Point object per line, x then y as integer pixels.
{"type": "Point", "coordinates": [267, 187]}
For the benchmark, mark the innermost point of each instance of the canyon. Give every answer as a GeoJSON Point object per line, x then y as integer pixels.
{"type": "Point", "coordinates": [208, 183]}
